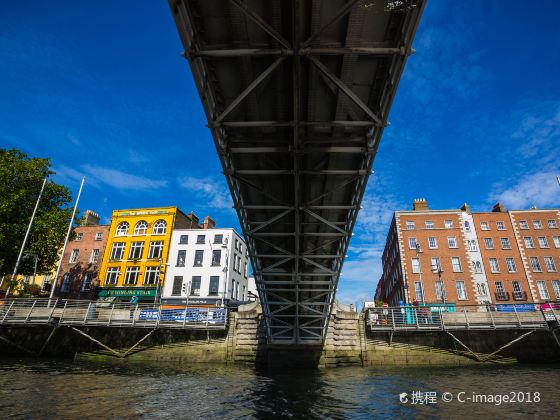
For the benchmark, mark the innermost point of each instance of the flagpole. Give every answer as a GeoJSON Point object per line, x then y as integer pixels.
{"type": "Point", "coordinates": [66, 240]}
{"type": "Point", "coordinates": [14, 274]}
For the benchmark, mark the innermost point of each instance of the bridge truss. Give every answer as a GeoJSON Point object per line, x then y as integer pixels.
{"type": "Point", "coordinates": [297, 94]}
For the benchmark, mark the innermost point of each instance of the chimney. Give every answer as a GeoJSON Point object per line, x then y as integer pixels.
{"type": "Point", "coordinates": [90, 218]}
{"type": "Point", "coordinates": [466, 208]}
{"type": "Point", "coordinates": [498, 208]}
{"type": "Point", "coordinates": [420, 204]}
{"type": "Point", "coordinates": [208, 223]}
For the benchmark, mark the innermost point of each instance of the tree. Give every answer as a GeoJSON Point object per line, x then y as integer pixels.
{"type": "Point", "coordinates": [21, 178]}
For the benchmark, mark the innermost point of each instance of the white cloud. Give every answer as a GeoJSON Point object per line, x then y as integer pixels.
{"type": "Point", "coordinates": [540, 189]}
{"type": "Point", "coordinates": [121, 180]}
{"type": "Point", "coordinates": [212, 192]}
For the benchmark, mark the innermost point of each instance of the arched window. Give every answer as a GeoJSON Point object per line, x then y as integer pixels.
{"type": "Point", "coordinates": [122, 229]}
{"type": "Point", "coordinates": [141, 228]}
{"type": "Point", "coordinates": [159, 227]}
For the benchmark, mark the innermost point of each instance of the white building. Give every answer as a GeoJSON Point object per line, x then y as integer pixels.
{"type": "Point", "coordinates": [206, 267]}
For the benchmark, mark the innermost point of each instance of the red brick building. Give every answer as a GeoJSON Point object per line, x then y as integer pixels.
{"type": "Point", "coordinates": [460, 257]}
{"type": "Point", "coordinates": [81, 261]}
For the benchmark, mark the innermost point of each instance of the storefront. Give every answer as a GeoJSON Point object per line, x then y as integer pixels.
{"type": "Point", "coordinates": [126, 294]}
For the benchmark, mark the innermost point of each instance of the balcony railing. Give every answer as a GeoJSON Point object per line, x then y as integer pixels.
{"type": "Point", "coordinates": [502, 296]}
{"type": "Point", "coordinates": [111, 314]}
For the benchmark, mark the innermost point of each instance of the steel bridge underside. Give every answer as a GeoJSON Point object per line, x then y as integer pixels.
{"type": "Point", "coordinates": [297, 95]}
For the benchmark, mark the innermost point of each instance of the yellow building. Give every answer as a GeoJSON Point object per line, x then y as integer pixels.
{"type": "Point", "coordinates": [137, 250]}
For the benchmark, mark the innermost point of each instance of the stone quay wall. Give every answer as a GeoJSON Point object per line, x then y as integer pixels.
{"type": "Point", "coordinates": [349, 342]}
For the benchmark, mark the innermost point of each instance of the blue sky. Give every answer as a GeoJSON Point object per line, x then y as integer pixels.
{"type": "Point", "coordinates": [100, 87]}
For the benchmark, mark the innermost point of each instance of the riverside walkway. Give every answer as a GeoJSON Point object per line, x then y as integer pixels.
{"type": "Point", "coordinates": [109, 314]}
{"type": "Point", "coordinates": [473, 317]}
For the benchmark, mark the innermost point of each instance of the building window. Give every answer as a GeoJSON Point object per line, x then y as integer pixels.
{"type": "Point", "coordinates": [214, 285]}
{"type": "Point", "coordinates": [500, 292]}
{"type": "Point", "coordinates": [232, 288]}
{"type": "Point", "coordinates": [136, 250]}
{"type": "Point", "coordinates": [415, 265]}
{"type": "Point", "coordinates": [484, 226]}
{"type": "Point", "coordinates": [86, 286]}
{"type": "Point", "coordinates": [494, 267]}
{"type": "Point", "coordinates": [528, 242]}
{"type": "Point", "coordinates": [198, 257]}
{"type": "Point", "coordinates": [412, 244]}
{"type": "Point", "coordinates": [429, 224]}
{"type": "Point", "coordinates": [184, 239]}
{"type": "Point", "coordinates": [160, 227]}
{"type": "Point", "coordinates": [549, 263]}
{"type": "Point", "coordinates": [66, 280]}
{"type": "Point", "coordinates": [131, 275]}
{"type": "Point", "coordinates": [511, 265]}
{"type": "Point", "coordinates": [151, 275]}
{"type": "Point", "coordinates": [94, 256]}
{"type": "Point", "coordinates": [245, 272]}
{"type": "Point", "coordinates": [517, 291]}
{"type": "Point", "coordinates": [535, 264]}
{"type": "Point", "coordinates": [505, 243]}
{"type": "Point", "coordinates": [552, 224]}
{"type": "Point", "coordinates": [456, 263]}
{"type": "Point", "coordinates": [46, 281]}
{"type": "Point", "coordinates": [461, 290]}
{"type": "Point", "coordinates": [141, 228]}
{"type": "Point", "coordinates": [448, 224]}
{"type": "Point", "coordinates": [482, 291]}
{"type": "Point", "coordinates": [543, 291]}
{"type": "Point", "coordinates": [117, 251]}
{"type": "Point", "coordinates": [122, 229]}
{"type": "Point", "coordinates": [181, 257]}
{"type": "Point", "coordinates": [439, 290]}
{"type": "Point", "coordinates": [409, 225]}
{"type": "Point", "coordinates": [477, 267]}
{"type": "Point", "coordinates": [523, 224]}
{"type": "Point", "coordinates": [556, 240]}
{"type": "Point", "coordinates": [432, 242]}
{"type": "Point", "coordinates": [112, 275]}
{"type": "Point", "coordinates": [155, 250]}
{"type": "Point", "coordinates": [177, 286]}
{"type": "Point", "coordinates": [79, 236]}
{"type": "Point", "coordinates": [98, 236]}
{"type": "Point", "coordinates": [200, 239]}
{"type": "Point", "coordinates": [488, 243]}
{"type": "Point", "coordinates": [435, 265]}
{"type": "Point", "coordinates": [218, 239]}
{"type": "Point", "coordinates": [74, 256]}
{"type": "Point", "coordinates": [236, 244]}
{"type": "Point", "coordinates": [467, 226]}
{"type": "Point", "coordinates": [419, 291]}
{"type": "Point", "coordinates": [500, 226]}
{"type": "Point", "coordinates": [452, 242]}
{"type": "Point", "coordinates": [537, 224]}
{"type": "Point", "coordinates": [556, 288]}
{"type": "Point", "coordinates": [472, 245]}
{"type": "Point", "coordinates": [216, 257]}
{"type": "Point", "coordinates": [543, 243]}
{"type": "Point", "coordinates": [243, 296]}
{"type": "Point", "coordinates": [195, 286]}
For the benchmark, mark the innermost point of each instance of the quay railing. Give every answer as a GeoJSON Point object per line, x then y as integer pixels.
{"type": "Point", "coordinates": [109, 314]}
{"type": "Point", "coordinates": [473, 317]}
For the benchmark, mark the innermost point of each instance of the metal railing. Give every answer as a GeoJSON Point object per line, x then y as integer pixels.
{"type": "Point", "coordinates": [109, 314]}
{"type": "Point", "coordinates": [450, 317]}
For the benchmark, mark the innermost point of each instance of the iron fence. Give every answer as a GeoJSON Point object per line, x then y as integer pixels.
{"type": "Point", "coordinates": [446, 317]}
{"type": "Point", "coordinates": [110, 314]}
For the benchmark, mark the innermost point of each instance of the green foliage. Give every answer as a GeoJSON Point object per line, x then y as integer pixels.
{"type": "Point", "coordinates": [21, 178]}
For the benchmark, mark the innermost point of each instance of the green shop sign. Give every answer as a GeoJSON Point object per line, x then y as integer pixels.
{"type": "Point", "coordinates": [127, 291]}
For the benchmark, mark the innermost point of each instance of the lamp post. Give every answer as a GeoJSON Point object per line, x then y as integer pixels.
{"type": "Point", "coordinates": [418, 252]}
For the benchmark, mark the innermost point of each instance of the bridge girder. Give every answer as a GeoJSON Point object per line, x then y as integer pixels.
{"type": "Point", "coordinates": [297, 95]}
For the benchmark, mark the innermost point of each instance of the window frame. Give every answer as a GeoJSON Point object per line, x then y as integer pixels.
{"type": "Point", "coordinates": [159, 227]}
{"type": "Point", "coordinates": [141, 228]}
{"type": "Point", "coordinates": [122, 229]}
